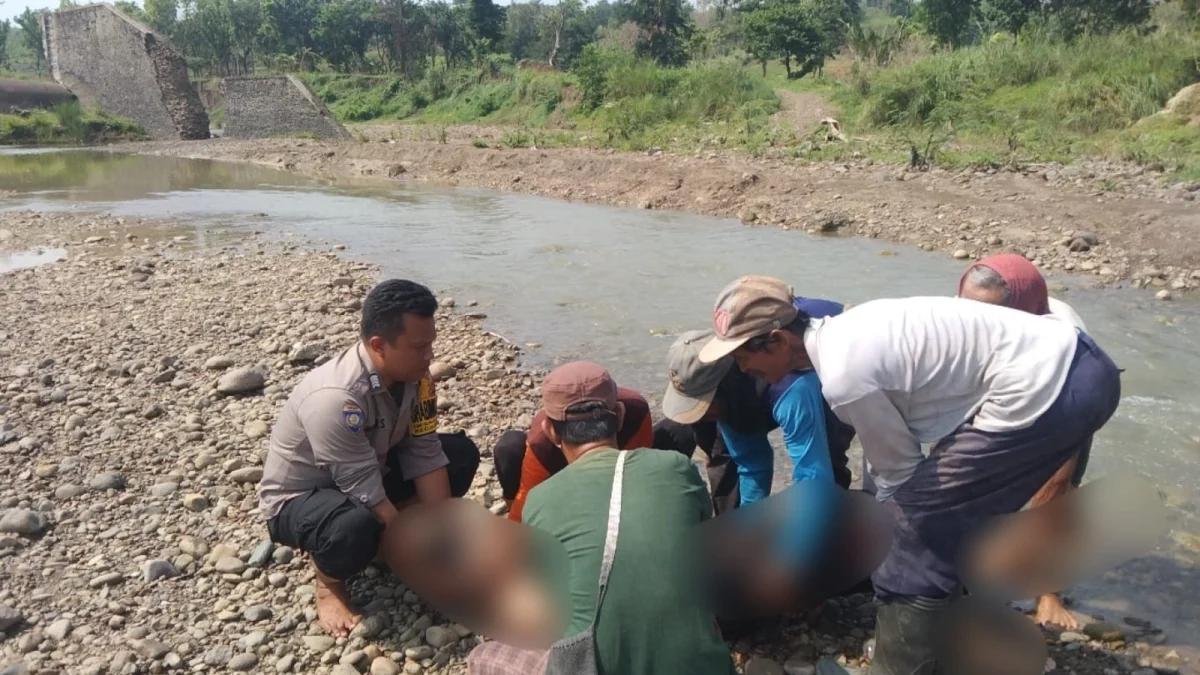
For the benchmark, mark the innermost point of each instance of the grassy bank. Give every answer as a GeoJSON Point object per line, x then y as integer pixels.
{"type": "Point", "coordinates": [1033, 99]}
{"type": "Point", "coordinates": [610, 99]}
{"type": "Point", "coordinates": [66, 124]}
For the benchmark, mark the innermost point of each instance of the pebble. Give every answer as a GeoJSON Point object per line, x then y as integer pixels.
{"type": "Point", "coordinates": [219, 363]}
{"type": "Point", "coordinates": [230, 565]}
{"type": "Point", "coordinates": [249, 474]}
{"type": "Point", "coordinates": [318, 643]}
{"type": "Point", "coordinates": [59, 630]}
{"type": "Point", "coordinates": [69, 491]}
{"type": "Point", "coordinates": [384, 666]}
{"type": "Point", "coordinates": [107, 579]}
{"type": "Point", "coordinates": [369, 627]}
{"type": "Point", "coordinates": [18, 668]}
{"type": "Point", "coordinates": [9, 617]}
{"type": "Point", "coordinates": [283, 555]}
{"type": "Point", "coordinates": [195, 502]}
{"type": "Point", "coordinates": [110, 480]}
{"type": "Point", "coordinates": [440, 636]}
{"type": "Point", "coordinates": [262, 554]}
{"type": "Point", "coordinates": [241, 381]}
{"type": "Point", "coordinates": [256, 429]}
{"type": "Point", "coordinates": [218, 656]}
{"type": "Point", "coordinates": [961, 254]}
{"type": "Point", "coordinates": [163, 489]}
{"type": "Point", "coordinates": [1071, 636]}
{"type": "Point", "coordinates": [343, 669]}
{"type": "Point", "coordinates": [22, 521]}
{"type": "Point", "coordinates": [256, 613]}
{"type": "Point", "coordinates": [1164, 294]}
{"type": "Point", "coordinates": [150, 649]}
{"type": "Point", "coordinates": [242, 662]}
{"type": "Point", "coordinates": [1104, 631]}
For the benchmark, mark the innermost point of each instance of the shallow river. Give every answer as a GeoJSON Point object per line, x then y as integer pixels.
{"type": "Point", "coordinates": [615, 286]}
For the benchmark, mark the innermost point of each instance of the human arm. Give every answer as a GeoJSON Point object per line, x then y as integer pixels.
{"type": "Point", "coordinates": [533, 473]}
{"type": "Point", "coordinates": [755, 461]}
{"type": "Point", "coordinates": [420, 456]}
{"type": "Point", "coordinates": [891, 450]}
{"type": "Point", "coordinates": [333, 424]}
{"type": "Point", "coordinates": [800, 412]}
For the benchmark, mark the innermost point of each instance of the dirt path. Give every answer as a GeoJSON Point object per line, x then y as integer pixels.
{"type": "Point", "coordinates": [802, 110]}
{"type": "Point", "coordinates": [1147, 235]}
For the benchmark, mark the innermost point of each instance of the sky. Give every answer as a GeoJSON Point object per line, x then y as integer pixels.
{"type": "Point", "coordinates": [11, 8]}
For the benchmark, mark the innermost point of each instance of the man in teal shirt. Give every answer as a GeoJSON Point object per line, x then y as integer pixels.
{"type": "Point", "coordinates": [654, 617]}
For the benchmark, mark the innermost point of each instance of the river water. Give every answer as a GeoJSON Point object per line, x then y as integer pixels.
{"type": "Point", "coordinates": [615, 285]}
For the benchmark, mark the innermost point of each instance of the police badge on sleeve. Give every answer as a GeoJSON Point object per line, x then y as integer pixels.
{"type": "Point", "coordinates": [352, 417]}
{"type": "Point", "coordinates": [424, 415]}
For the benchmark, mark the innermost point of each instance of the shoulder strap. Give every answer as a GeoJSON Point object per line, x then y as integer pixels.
{"type": "Point", "coordinates": [614, 525]}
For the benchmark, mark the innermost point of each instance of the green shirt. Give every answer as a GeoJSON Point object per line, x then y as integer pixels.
{"type": "Point", "coordinates": [653, 619]}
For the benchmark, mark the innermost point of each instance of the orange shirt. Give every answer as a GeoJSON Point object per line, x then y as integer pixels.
{"type": "Point", "coordinates": [544, 459]}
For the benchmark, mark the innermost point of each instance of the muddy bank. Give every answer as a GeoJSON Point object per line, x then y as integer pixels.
{"type": "Point", "coordinates": [131, 541]}
{"type": "Point", "coordinates": [1141, 234]}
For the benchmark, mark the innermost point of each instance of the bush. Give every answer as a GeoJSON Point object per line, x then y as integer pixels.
{"type": "Point", "coordinates": [67, 123]}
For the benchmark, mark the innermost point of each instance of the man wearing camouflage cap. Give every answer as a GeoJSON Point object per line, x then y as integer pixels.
{"type": "Point", "coordinates": [1005, 398]}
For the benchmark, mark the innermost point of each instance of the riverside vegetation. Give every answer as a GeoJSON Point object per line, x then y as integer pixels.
{"type": "Point", "coordinates": [66, 123]}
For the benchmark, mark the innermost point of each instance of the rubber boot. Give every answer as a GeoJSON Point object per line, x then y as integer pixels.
{"type": "Point", "coordinates": [905, 636]}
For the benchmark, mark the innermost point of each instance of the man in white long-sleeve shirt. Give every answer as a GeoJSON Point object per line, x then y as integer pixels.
{"type": "Point", "coordinates": [1006, 399]}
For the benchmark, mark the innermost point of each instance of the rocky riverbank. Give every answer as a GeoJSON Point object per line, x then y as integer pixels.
{"type": "Point", "coordinates": [139, 379]}
{"type": "Point", "coordinates": [1118, 224]}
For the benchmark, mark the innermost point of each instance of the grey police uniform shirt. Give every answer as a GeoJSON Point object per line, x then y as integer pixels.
{"type": "Point", "coordinates": [336, 429]}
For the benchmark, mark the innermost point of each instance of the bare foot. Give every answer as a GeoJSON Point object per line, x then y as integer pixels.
{"type": "Point", "coordinates": [1052, 612]}
{"type": "Point", "coordinates": [337, 616]}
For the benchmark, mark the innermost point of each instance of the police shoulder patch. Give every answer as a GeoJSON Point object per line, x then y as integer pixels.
{"type": "Point", "coordinates": [352, 417]}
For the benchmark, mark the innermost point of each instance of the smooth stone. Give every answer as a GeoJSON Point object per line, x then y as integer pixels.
{"type": "Point", "coordinates": [277, 580]}
{"type": "Point", "coordinates": [262, 554]}
{"type": "Point", "coordinates": [343, 669]}
{"type": "Point", "coordinates": [242, 662]}
{"type": "Point", "coordinates": [150, 649]}
{"type": "Point", "coordinates": [22, 521]}
{"type": "Point", "coordinates": [218, 656]}
{"type": "Point", "coordinates": [384, 666]}
{"type": "Point", "coordinates": [254, 639]}
{"type": "Point", "coordinates": [1072, 636]}
{"type": "Point", "coordinates": [249, 474]}
{"type": "Point", "coordinates": [195, 502]}
{"type": "Point", "coordinates": [153, 570]}
{"type": "Point", "coordinates": [109, 480]}
{"type": "Point", "coordinates": [109, 579]}
{"type": "Point", "coordinates": [353, 658]}
{"type": "Point", "coordinates": [241, 381]}
{"type": "Point", "coordinates": [230, 565]}
{"type": "Point", "coordinates": [303, 353]}
{"type": "Point", "coordinates": [18, 668]}
{"type": "Point", "coordinates": [256, 429]}
{"type": "Point", "coordinates": [284, 665]}
{"type": "Point", "coordinates": [59, 630]}
{"type": "Point", "coordinates": [69, 491]}
{"type": "Point", "coordinates": [1104, 631]}
{"type": "Point", "coordinates": [9, 617]}
{"type": "Point", "coordinates": [369, 627]}
{"type": "Point", "coordinates": [440, 370]}
{"type": "Point", "coordinates": [420, 653]}
{"type": "Point", "coordinates": [283, 555]}
{"type": "Point", "coordinates": [257, 613]}
{"type": "Point", "coordinates": [163, 489]}
{"type": "Point", "coordinates": [318, 643]}
{"type": "Point", "coordinates": [219, 363]}
{"type": "Point", "coordinates": [440, 636]}
{"type": "Point", "coordinates": [758, 665]}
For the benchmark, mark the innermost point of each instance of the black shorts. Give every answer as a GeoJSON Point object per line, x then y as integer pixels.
{"type": "Point", "coordinates": [341, 534]}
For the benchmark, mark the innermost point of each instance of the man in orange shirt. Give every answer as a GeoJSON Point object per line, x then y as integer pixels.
{"type": "Point", "coordinates": [526, 459]}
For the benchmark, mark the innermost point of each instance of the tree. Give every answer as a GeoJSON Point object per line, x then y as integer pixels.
{"type": "Point", "coordinates": [521, 30]}
{"type": "Point", "coordinates": [787, 30]}
{"type": "Point", "coordinates": [287, 26]}
{"type": "Point", "coordinates": [1074, 17]}
{"type": "Point", "coordinates": [162, 15]}
{"type": "Point", "coordinates": [948, 21]}
{"type": "Point", "coordinates": [1009, 15]}
{"type": "Point", "coordinates": [31, 35]}
{"type": "Point", "coordinates": [342, 32]}
{"type": "Point", "coordinates": [486, 20]}
{"type": "Point", "coordinates": [247, 17]}
{"type": "Point", "coordinates": [4, 28]}
{"type": "Point", "coordinates": [565, 29]}
{"type": "Point", "coordinates": [902, 8]}
{"type": "Point", "coordinates": [210, 31]}
{"type": "Point", "coordinates": [133, 11]}
{"type": "Point", "coordinates": [665, 26]}
{"type": "Point", "coordinates": [448, 29]}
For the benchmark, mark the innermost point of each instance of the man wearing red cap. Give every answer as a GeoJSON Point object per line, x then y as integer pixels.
{"type": "Point", "coordinates": [1006, 399]}
{"type": "Point", "coordinates": [626, 521]}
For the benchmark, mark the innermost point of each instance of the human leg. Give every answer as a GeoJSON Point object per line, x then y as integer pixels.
{"type": "Point", "coordinates": [341, 537]}
{"type": "Point", "coordinates": [462, 456]}
{"type": "Point", "coordinates": [508, 455]}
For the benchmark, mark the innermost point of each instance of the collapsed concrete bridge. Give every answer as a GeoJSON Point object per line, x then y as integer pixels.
{"type": "Point", "coordinates": [114, 63]}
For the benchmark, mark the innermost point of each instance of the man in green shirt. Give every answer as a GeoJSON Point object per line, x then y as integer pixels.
{"type": "Point", "coordinates": [653, 617]}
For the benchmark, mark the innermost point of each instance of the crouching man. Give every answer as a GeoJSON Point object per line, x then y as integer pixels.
{"type": "Point", "coordinates": [1007, 399]}
{"type": "Point", "coordinates": [358, 438]}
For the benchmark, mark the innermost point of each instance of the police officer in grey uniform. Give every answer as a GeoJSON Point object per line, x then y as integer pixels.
{"type": "Point", "coordinates": [357, 438]}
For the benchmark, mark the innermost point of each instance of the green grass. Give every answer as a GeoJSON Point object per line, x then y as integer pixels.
{"type": "Point", "coordinates": [1035, 100]}
{"type": "Point", "coordinates": [66, 124]}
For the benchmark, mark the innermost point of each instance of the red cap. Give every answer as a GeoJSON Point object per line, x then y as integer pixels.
{"type": "Point", "coordinates": [574, 383]}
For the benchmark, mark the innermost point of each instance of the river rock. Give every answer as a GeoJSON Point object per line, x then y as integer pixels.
{"type": "Point", "coordinates": [163, 489]}
{"type": "Point", "coordinates": [250, 474]}
{"type": "Point", "coordinates": [961, 254]}
{"type": "Point", "coordinates": [221, 362]}
{"type": "Point", "coordinates": [150, 649]}
{"type": "Point", "coordinates": [1071, 636]}
{"type": "Point", "coordinates": [18, 668]}
{"type": "Point", "coordinates": [242, 662]}
{"type": "Point", "coordinates": [758, 665]}
{"type": "Point", "coordinates": [1104, 631]}
{"type": "Point", "coordinates": [241, 381]}
{"type": "Point", "coordinates": [109, 480]}
{"type": "Point", "coordinates": [230, 565]}
{"type": "Point", "coordinates": [59, 630]}
{"type": "Point", "coordinates": [23, 521]}
{"type": "Point", "coordinates": [153, 570]}
{"type": "Point", "coordinates": [69, 491]}
{"type": "Point", "coordinates": [283, 555]}
{"type": "Point", "coordinates": [194, 502]}
{"type": "Point", "coordinates": [256, 429]}
{"type": "Point", "coordinates": [218, 656]}
{"type": "Point", "coordinates": [318, 643]}
{"type": "Point", "coordinates": [440, 370]}
{"type": "Point", "coordinates": [306, 352]}
{"type": "Point", "coordinates": [344, 669]}
{"type": "Point", "coordinates": [106, 579]}
{"type": "Point", "coordinates": [9, 617]}
{"type": "Point", "coordinates": [262, 554]}
{"type": "Point", "coordinates": [384, 666]}
{"type": "Point", "coordinates": [256, 613]}
{"type": "Point", "coordinates": [440, 636]}
{"type": "Point", "coordinates": [369, 627]}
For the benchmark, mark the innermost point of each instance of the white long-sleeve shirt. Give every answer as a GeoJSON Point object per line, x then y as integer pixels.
{"type": "Point", "coordinates": [909, 371]}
